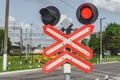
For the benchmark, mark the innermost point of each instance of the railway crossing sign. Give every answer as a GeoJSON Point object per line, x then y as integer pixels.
{"type": "Point", "coordinates": [70, 58]}
{"type": "Point", "coordinates": [70, 41]}
{"type": "Point", "coordinates": [86, 14]}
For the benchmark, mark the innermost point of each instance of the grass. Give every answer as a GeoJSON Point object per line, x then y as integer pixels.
{"type": "Point", "coordinates": [15, 61]}
{"type": "Point", "coordinates": [0, 64]}
{"type": "Point", "coordinates": [95, 59]}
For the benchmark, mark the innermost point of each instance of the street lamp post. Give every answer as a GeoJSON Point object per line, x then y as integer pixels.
{"type": "Point", "coordinates": [21, 44]}
{"type": "Point", "coordinates": [31, 42]}
{"type": "Point", "coordinates": [6, 37]}
{"type": "Point", "coordinates": [101, 38]}
{"type": "Point", "coordinates": [26, 55]}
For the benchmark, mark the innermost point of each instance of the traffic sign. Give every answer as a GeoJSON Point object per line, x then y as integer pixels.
{"type": "Point", "coordinates": [69, 57]}
{"type": "Point", "coordinates": [70, 41]}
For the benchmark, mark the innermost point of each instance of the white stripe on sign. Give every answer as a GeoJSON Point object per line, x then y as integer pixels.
{"type": "Point", "coordinates": [54, 48]}
{"type": "Point", "coordinates": [80, 33]}
{"type": "Point", "coordinates": [80, 49]}
{"type": "Point", "coordinates": [54, 33]}
{"type": "Point", "coordinates": [66, 56]}
{"type": "Point", "coordinates": [78, 62]}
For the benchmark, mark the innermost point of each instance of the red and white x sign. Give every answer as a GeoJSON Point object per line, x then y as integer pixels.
{"type": "Point", "coordinates": [70, 41]}
{"type": "Point", "coordinates": [67, 57]}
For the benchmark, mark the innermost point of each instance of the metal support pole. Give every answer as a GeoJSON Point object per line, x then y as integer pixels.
{"type": "Point", "coordinates": [31, 46]}
{"type": "Point", "coordinates": [26, 55]}
{"type": "Point", "coordinates": [101, 56]}
{"type": "Point", "coordinates": [96, 78]}
{"type": "Point", "coordinates": [67, 76]}
{"type": "Point", "coordinates": [31, 43]}
{"type": "Point", "coordinates": [67, 66]}
{"type": "Point", "coordinates": [106, 77]}
{"type": "Point", "coordinates": [21, 43]}
{"type": "Point", "coordinates": [6, 37]}
{"type": "Point", "coordinates": [100, 39]}
{"type": "Point", "coordinates": [67, 71]}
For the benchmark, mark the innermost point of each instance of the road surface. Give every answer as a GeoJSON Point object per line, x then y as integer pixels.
{"type": "Point", "coordinates": [99, 71]}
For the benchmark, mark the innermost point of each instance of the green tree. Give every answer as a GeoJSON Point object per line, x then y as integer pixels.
{"type": "Point", "coordinates": [2, 41]}
{"type": "Point", "coordinates": [112, 38]}
{"type": "Point", "coordinates": [1, 38]}
{"type": "Point", "coordinates": [94, 43]}
{"type": "Point", "coordinates": [9, 45]}
{"type": "Point", "coordinates": [85, 42]}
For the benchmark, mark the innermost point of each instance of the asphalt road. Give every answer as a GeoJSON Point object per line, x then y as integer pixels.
{"type": "Point", "coordinates": [99, 71]}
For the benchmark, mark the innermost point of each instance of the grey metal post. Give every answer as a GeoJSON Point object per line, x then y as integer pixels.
{"type": "Point", "coordinates": [31, 42]}
{"type": "Point", "coordinates": [6, 37]}
{"type": "Point", "coordinates": [26, 55]}
{"type": "Point", "coordinates": [106, 77]}
{"type": "Point", "coordinates": [67, 66]}
{"type": "Point", "coordinates": [101, 39]}
{"type": "Point", "coordinates": [67, 71]}
{"type": "Point", "coordinates": [67, 76]}
{"type": "Point", "coordinates": [21, 43]}
{"type": "Point", "coordinates": [96, 78]}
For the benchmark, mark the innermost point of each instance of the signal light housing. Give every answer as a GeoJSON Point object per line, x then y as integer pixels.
{"type": "Point", "coordinates": [87, 13]}
{"type": "Point", "coordinates": [50, 15]}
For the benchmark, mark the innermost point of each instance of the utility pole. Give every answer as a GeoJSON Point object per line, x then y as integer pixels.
{"type": "Point", "coordinates": [26, 57]}
{"type": "Point", "coordinates": [6, 37]}
{"type": "Point", "coordinates": [31, 42]}
{"type": "Point", "coordinates": [21, 44]}
{"type": "Point", "coordinates": [101, 56]}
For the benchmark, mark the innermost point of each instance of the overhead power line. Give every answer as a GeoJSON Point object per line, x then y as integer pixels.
{"type": "Point", "coordinates": [67, 4]}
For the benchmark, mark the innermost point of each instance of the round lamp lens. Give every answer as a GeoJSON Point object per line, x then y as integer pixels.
{"type": "Point", "coordinates": [86, 13]}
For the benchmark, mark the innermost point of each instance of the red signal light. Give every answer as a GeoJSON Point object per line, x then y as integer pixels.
{"type": "Point", "coordinates": [86, 13]}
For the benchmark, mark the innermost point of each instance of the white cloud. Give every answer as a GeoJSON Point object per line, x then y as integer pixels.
{"type": "Point", "coordinates": [109, 5]}
{"type": "Point", "coordinates": [11, 19]}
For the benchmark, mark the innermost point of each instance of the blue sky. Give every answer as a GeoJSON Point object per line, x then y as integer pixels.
{"type": "Point", "coordinates": [27, 11]}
